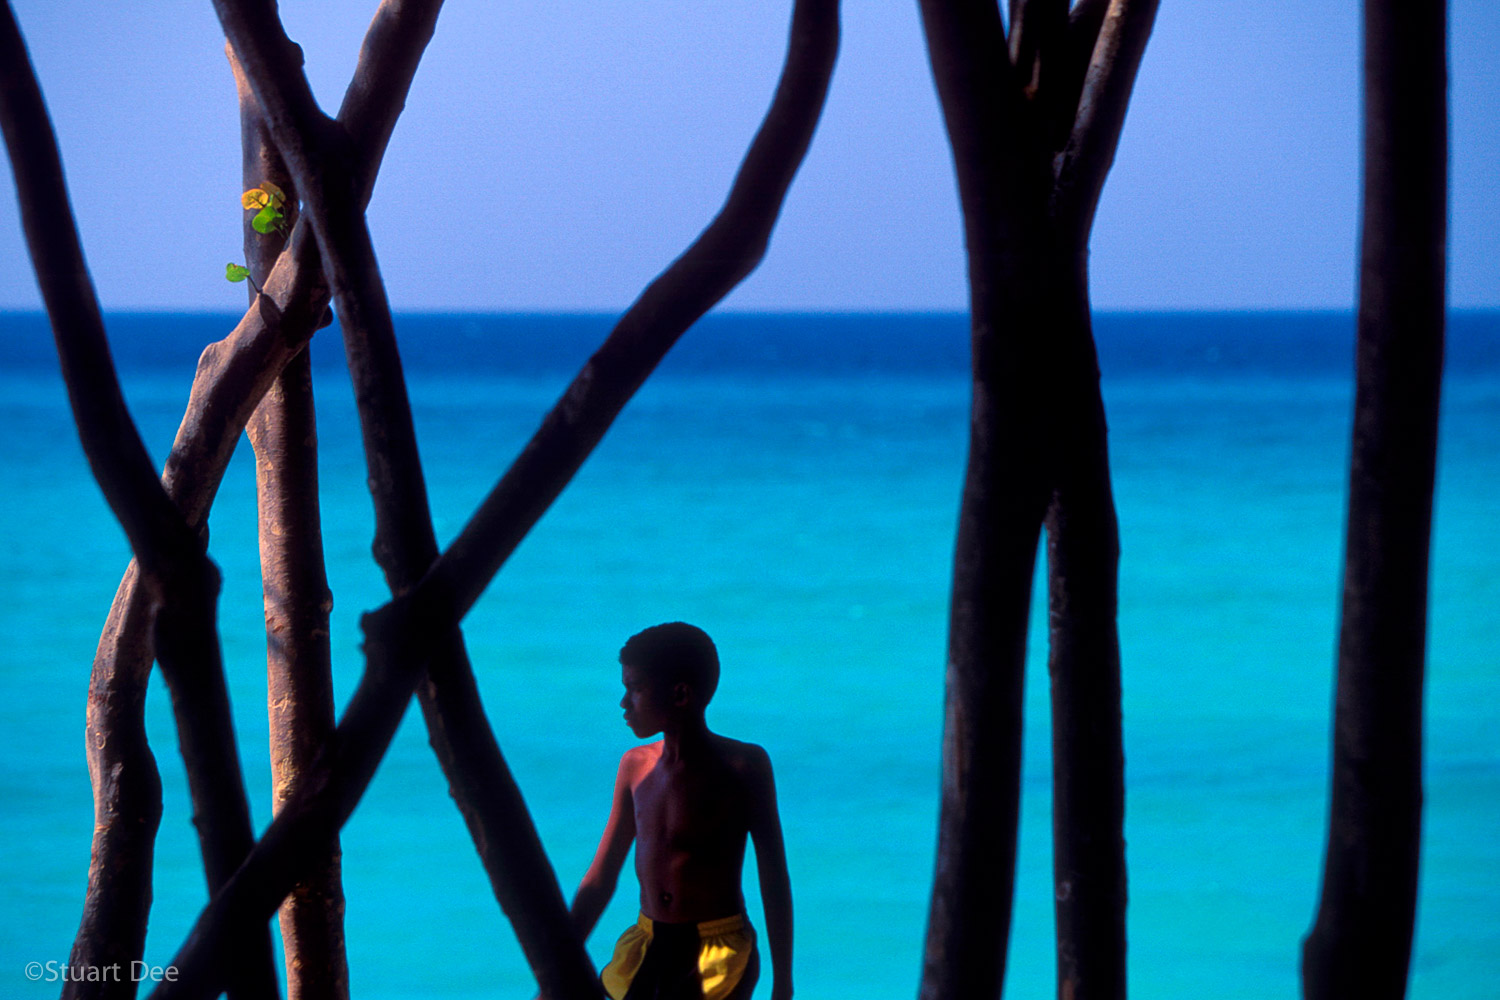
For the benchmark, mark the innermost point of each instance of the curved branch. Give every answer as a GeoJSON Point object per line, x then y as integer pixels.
{"type": "Point", "coordinates": [1038, 31]}
{"type": "Point", "coordinates": [1037, 443]}
{"type": "Point", "coordinates": [727, 251]}
{"type": "Point", "coordinates": [158, 535]}
{"type": "Point", "coordinates": [1075, 53]}
{"type": "Point", "coordinates": [127, 798]}
{"type": "Point", "coordinates": [1084, 164]}
{"type": "Point", "coordinates": [1004, 177]}
{"type": "Point", "coordinates": [405, 544]}
{"type": "Point", "coordinates": [985, 118]}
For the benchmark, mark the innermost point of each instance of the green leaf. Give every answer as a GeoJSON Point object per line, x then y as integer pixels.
{"type": "Point", "coordinates": [266, 220]}
{"type": "Point", "coordinates": [234, 272]}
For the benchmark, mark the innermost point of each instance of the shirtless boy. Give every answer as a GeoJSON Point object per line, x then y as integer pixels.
{"type": "Point", "coordinates": [689, 801]}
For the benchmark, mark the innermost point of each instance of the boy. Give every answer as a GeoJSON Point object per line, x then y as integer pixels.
{"type": "Point", "coordinates": [689, 801]}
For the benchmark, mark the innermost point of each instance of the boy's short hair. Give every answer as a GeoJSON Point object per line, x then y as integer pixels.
{"type": "Point", "coordinates": [673, 652]}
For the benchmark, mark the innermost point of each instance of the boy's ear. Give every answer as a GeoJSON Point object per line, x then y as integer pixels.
{"type": "Point", "coordinates": [682, 694]}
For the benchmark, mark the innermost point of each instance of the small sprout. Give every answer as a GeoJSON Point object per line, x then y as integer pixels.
{"type": "Point", "coordinates": [235, 272]}
{"type": "Point", "coordinates": [267, 220]}
{"type": "Point", "coordinates": [266, 201]}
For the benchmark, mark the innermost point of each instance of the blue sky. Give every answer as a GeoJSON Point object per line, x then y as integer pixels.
{"type": "Point", "coordinates": [559, 155]}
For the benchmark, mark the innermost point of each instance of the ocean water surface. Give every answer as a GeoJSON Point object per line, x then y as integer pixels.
{"type": "Point", "coordinates": [791, 484]}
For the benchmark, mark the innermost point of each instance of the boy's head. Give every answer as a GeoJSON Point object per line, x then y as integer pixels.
{"type": "Point", "coordinates": [672, 654]}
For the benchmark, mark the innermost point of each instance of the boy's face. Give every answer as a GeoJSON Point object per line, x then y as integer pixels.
{"type": "Point", "coordinates": [647, 704]}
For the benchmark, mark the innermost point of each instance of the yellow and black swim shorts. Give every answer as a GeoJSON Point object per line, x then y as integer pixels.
{"type": "Point", "coordinates": [714, 960]}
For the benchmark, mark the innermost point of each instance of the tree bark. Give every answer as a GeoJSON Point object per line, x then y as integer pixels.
{"type": "Point", "coordinates": [127, 800]}
{"type": "Point", "coordinates": [299, 680]}
{"type": "Point", "coordinates": [1004, 497]}
{"type": "Point", "coordinates": [1360, 944]}
{"type": "Point", "coordinates": [299, 836]}
{"type": "Point", "coordinates": [1033, 138]}
{"type": "Point", "coordinates": [1088, 767]}
{"type": "Point", "coordinates": [299, 677]}
{"type": "Point", "coordinates": [187, 649]}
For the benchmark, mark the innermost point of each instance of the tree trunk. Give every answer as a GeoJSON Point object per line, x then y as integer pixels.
{"type": "Point", "coordinates": [127, 798]}
{"type": "Point", "coordinates": [1088, 767]}
{"type": "Point", "coordinates": [299, 678]}
{"type": "Point", "coordinates": [188, 652]}
{"type": "Point", "coordinates": [999, 525]}
{"type": "Point", "coordinates": [1360, 944]}
{"type": "Point", "coordinates": [1033, 119]}
{"type": "Point", "coordinates": [1004, 498]}
{"type": "Point", "coordinates": [299, 682]}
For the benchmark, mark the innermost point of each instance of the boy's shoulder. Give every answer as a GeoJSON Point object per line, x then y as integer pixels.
{"type": "Point", "coordinates": [641, 757]}
{"type": "Point", "coordinates": [750, 759]}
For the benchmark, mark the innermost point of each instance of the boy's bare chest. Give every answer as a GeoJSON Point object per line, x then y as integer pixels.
{"type": "Point", "coordinates": [688, 809]}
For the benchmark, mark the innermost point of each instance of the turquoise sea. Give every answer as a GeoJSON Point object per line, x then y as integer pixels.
{"type": "Point", "coordinates": [790, 482]}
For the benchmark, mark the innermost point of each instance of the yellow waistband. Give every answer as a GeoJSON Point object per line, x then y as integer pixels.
{"type": "Point", "coordinates": [706, 928]}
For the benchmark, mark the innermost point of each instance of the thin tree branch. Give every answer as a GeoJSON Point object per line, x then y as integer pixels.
{"type": "Point", "coordinates": [983, 111]}
{"type": "Point", "coordinates": [405, 544]}
{"type": "Point", "coordinates": [1065, 78]}
{"type": "Point", "coordinates": [1085, 20]}
{"type": "Point", "coordinates": [728, 250]}
{"type": "Point", "coordinates": [1037, 28]}
{"type": "Point", "coordinates": [1037, 443]}
{"type": "Point", "coordinates": [1084, 164]}
{"type": "Point", "coordinates": [372, 716]}
{"type": "Point", "coordinates": [1032, 439]}
{"type": "Point", "coordinates": [232, 376]}
{"type": "Point", "coordinates": [318, 153]}
{"type": "Point", "coordinates": [187, 650]}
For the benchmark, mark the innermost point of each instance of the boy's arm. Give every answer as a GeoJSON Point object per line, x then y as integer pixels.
{"type": "Point", "coordinates": [599, 881]}
{"type": "Point", "coordinates": [775, 882]}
